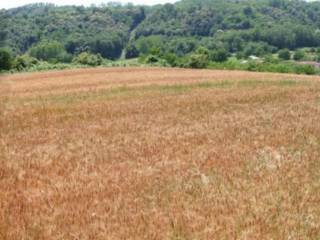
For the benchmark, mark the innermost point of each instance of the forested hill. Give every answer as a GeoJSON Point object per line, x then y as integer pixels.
{"type": "Point", "coordinates": [99, 29]}
{"type": "Point", "coordinates": [256, 26]}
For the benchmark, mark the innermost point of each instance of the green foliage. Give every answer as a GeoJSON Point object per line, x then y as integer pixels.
{"type": "Point", "coordinates": [284, 54]}
{"type": "Point", "coordinates": [123, 63]}
{"type": "Point", "coordinates": [291, 24]}
{"type": "Point", "coordinates": [189, 33]}
{"type": "Point", "coordinates": [203, 51]}
{"type": "Point", "coordinates": [257, 49]}
{"type": "Point", "coordinates": [48, 51]}
{"type": "Point", "coordinates": [131, 52]}
{"type": "Point", "coordinates": [171, 59]}
{"type": "Point", "coordinates": [155, 51]}
{"type": "Point", "coordinates": [24, 62]}
{"type": "Point", "coordinates": [299, 55]}
{"type": "Point", "coordinates": [45, 66]}
{"type": "Point", "coordinates": [305, 69]}
{"type": "Point", "coordinates": [274, 66]}
{"type": "Point", "coordinates": [219, 55]}
{"type": "Point", "coordinates": [198, 61]}
{"type": "Point", "coordinates": [65, 57]}
{"type": "Point", "coordinates": [90, 59]}
{"type": "Point", "coordinates": [181, 45]}
{"type": "Point", "coordinates": [284, 68]}
{"type": "Point", "coordinates": [271, 59]}
{"type": "Point", "coordinates": [152, 59]}
{"type": "Point", "coordinates": [107, 45]}
{"type": "Point", "coordinates": [145, 44]}
{"type": "Point", "coordinates": [5, 59]}
{"type": "Point", "coordinates": [250, 27]}
{"type": "Point", "coordinates": [103, 29]}
{"type": "Point", "coordinates": [240, 55]}
{"type": "Point", "coordinates": [3, 27]}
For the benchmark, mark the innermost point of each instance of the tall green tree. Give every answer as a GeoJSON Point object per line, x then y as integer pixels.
{"type": "Point", "coordinates": [5, 59]}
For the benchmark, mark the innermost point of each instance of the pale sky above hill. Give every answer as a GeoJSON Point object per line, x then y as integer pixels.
{"type": "Point", "coordinates": [17, 3]}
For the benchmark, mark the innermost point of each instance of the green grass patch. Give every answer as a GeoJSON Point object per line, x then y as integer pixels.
{"type": "Point", "coordinates": [281, 83]}
{"type": "Point", "coordinates": [183, 88]}
{"type": "Point", "coordinates": [123, 92]}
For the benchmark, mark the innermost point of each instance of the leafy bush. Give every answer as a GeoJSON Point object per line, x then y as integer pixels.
{"type": "Point", "coordinates": [230, 64]}
{"type": "Point", "coordinates": [219, 55]}
{"type": "Point", "coordinates": [24, 62]}
{"type": "Point", "coordinates": [276, 67]}
{"type": "Point", "coordinates": [150, 59]}
{"type": "Point", "coordinates": [271, 59]}
{"type": "Point", "coordinates": [284, 54]}
{"type": "Point", "coordinates": [154, 60]}
{"type": "Point", "coordinates": [5, 59]}
{"type": "Point", "coordinates": [65, 57]}
{"type": "Point", "coordinates": [171, 59]}
{"type": "Point", "coordinates": [90, 59]}
{"type": "Point", "coordinates": [240, 55]}
{"type": "Point", "coordinates": [298, 55]}
{"type": "Point", "coordinates": [253, 66]}
{"type": "Point", "coordinates": [203, 51]}
{"type": "Point", "coordinates": [198, 61]}
{"type": "Point", "coordinates": [305, 69]}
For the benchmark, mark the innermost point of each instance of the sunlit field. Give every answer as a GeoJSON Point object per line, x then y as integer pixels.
{"type": "Point", "coordinates": [155, 153]}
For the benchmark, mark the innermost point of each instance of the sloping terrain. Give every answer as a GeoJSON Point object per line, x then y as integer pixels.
{"type": "Point", "coordinates": [247, 26]}
{"type": "Point", "coordinates": [155, 153]}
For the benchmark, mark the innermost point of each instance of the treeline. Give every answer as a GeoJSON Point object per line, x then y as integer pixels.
{"type": "Point", "coordinates": [221, 28]}
{"type": "Point", "coordinates": [234, 23]}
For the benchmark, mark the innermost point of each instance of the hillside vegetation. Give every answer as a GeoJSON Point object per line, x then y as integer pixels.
{"type": "Point", "coordinates": [189, 33]}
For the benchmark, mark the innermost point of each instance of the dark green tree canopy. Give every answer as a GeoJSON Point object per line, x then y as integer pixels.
{"type": "Point", "coordinates": [284, 54]}
{"type": "Point", "coordinates": [5, 59]}
{"type": "Point", "coordinates": [3, 28]}
{"type": "Point", "coordinates": [239, 26]}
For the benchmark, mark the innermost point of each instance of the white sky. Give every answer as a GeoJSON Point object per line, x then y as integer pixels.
{"type": "Point", "coordinates": [17, 3]}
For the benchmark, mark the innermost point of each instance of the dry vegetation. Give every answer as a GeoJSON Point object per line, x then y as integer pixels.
{"type": "Point", "coordinates": [159, 154]}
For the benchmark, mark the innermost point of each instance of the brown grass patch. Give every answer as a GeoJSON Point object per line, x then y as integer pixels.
{"type": "Point", "coordinates": [154, 153]}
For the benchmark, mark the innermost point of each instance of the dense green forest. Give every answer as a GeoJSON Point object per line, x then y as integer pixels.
{"type": "Point", "coordinates": [189, 32]}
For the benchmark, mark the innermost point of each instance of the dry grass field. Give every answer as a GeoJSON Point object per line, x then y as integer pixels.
{"type": "Point", "coordinates": [151, 153]}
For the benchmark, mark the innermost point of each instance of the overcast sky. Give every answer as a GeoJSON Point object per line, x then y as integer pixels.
{"type": "Point", "coordinates": [17, 3]}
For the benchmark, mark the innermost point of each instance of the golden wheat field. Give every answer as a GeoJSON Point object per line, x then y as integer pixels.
{"type": "Point", "coordinates": [155, 153]}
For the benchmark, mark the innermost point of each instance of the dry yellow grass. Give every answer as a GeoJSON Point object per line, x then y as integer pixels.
{"type": "Point", "coordinates": [141, 153]}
